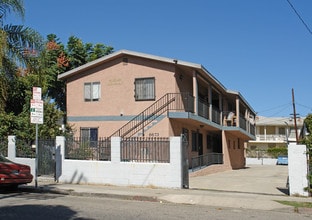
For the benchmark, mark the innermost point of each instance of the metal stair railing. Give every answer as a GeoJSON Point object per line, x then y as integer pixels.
{"type": "Point", "coordinates": [170, 101]}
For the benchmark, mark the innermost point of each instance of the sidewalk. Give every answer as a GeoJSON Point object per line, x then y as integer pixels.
{"type": "Point", "coordinates": [257, 187]}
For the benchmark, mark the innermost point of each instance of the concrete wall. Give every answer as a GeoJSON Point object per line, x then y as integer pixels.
{"type": "Point", "coordinates": [12, 155]}
{"type": "Point", "coordinates": [260, 161]}
{"type": "Point", "coordinates": [114, 172]}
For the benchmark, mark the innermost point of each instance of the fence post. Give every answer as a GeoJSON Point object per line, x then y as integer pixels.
{"type": "Point", "coordinates": [298, 170]}
{"type": "Point", "coordinates": [176, 160]}
{"type": "Point", "coordinates": [59, 155]}
{"type": "Point", "coordinates": [115, 149]}
{"type": "Point", "coordinates": [11, 147]}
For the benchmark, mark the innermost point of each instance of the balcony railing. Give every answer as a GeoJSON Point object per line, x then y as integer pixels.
{"type": "Point", "coordinates": [203, 108]}
{"type": "Point", "coordinates": [182, 102]}
{"type": "Point", "coordinates": [231, 121]}
{"type": "Point", "coordinates": [252, 129]}
{"type": "Point", "coordinates": [271, 137]}
{"type": "Point", "coordinates": [242, 123]}
{"type": "Point", "coordinates": [206, 160]}
{"type": "Point", "coordinates": [185, 102]}
{"type": "Point", "coordinates": [216, 114]}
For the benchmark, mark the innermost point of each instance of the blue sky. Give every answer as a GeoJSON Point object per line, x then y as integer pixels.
{"type": "Point", "coordinates": [257, 47]}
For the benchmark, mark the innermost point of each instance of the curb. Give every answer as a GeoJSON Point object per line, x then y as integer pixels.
{"type": "Point", "coordinates": [87, 194]}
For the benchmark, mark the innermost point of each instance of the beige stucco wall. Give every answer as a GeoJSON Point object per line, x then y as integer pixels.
{"type": "Point", "coordinates": [117, 87]}
{"type": "Point", "coordinates": [117, 92]}
{"type": "Point", "coordinates": [234, 151]}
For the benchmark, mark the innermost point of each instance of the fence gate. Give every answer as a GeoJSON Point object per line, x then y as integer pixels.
{"type": "Point", "coordinates": [46, 158]}
{"type": "Point", "coordinates": [185, 164]}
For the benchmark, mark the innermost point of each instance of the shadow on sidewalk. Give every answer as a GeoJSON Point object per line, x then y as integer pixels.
{"type": "Point", "coordinates": [283, 190]}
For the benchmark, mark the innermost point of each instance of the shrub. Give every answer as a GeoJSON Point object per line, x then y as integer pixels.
{"type": "Point", "coordinates": [276, 151]}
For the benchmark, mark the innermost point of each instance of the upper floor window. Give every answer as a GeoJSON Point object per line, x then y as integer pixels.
{"type": "Point", "coordinates": [144, 89]}
{"type": "Point", "coordinates": [281, 131]}
{"type": "Point", "coordinates": [92, 91]}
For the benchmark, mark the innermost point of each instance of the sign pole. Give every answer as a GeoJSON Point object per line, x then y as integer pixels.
{"type": "Point", "coordinates": [36, 117]}
{"type": "Point", "coordinates": [36, 159]}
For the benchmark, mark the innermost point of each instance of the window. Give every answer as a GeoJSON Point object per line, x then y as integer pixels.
{"type": "Point", "coordinates": [281, 131]}
{"type": "Point", "coordinates": [194, 141]}
{"type": "Point", "coordinates": [89, 135]}
{"type": "Point", "coordinates": [92, 91]}
{"type": "Point", "coordinates": [144, 89]}
{"type": "Point", "coordinates": [197, 142]}
{"type": "Point", "coordinates": [209, 141]}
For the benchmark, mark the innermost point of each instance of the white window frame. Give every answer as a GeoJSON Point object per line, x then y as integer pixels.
{"type": "Point", "coordinates": [92, 91]}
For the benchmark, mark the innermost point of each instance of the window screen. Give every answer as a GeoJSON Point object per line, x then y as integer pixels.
{"type": "Point", "coordinates": [145, 89]}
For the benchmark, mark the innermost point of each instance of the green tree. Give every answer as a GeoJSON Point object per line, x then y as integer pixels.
{"type": "Point", "coordinates": [18, 45]}
{"type": "Point", "coordinates": [76, 51]}
{"type": "Point", "coordinates": [26, 61]}
{"type": "Point", "coordinates": [97, 51]}
{"type": "Point", "coordinates": [43, 71]}
{"type": "Point", "coordinates": [55, 61]}
{"type": "Point", "coordinates": [307, 140]}
{"type": "Point", "coordinates": [60, 59]}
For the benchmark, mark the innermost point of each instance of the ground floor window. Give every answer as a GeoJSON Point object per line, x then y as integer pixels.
{"type": "Point", "coordinates": [197, 142]}
{"type": "Point", "coordinates": [214, 142]}
{"type": "Point", "coordinates": [89, 135]}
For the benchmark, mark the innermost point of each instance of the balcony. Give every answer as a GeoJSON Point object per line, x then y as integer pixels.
{"type": "Point", "coordinates": [184, 102]}
{"type": "Point", "coordinates": [271, 138]}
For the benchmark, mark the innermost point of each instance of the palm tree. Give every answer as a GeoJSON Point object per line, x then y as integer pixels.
{"type": "Point", "coordinates": [18, 45]}
{"type": "Point", "coordinates": [15, 5]}
{"type": "Point", "coordinates": [7, 6]}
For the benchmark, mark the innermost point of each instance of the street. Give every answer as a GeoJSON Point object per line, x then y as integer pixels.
{"type": "Point", "coordinates": [26, 205]}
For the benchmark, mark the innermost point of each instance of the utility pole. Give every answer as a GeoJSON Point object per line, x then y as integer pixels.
{"type": "Point", "coordinates": [295, 114]}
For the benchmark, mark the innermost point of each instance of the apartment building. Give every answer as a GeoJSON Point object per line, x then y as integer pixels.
{"type": "Point", "coordinates": [129, 93]}
{"type": "Point", "coordinates": [274, 132]}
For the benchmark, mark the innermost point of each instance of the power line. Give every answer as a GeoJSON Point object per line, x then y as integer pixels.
{"type": "Point", "coordinates": [299, 16]}
{"type": "Point", "coordinates": [276, 107]}
{"type": "Point", "coordinates": [282, 110]}
{"type": "Point", "coordinates": [307, 107]}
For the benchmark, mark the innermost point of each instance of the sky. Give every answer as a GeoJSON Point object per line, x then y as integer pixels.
{"type": "Point", "coordinates": [259, 48]}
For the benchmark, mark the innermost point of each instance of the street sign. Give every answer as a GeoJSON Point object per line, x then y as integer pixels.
{"type": "Point", "coordinates": [37, 93]}
{"type": "Point", "coordinates": [36, 111]}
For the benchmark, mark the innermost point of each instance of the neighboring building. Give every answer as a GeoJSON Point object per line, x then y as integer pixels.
{"type": "Point", "coordinates": [274, 132]}
{"type": "Point", "coordinates": [134, 94]}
